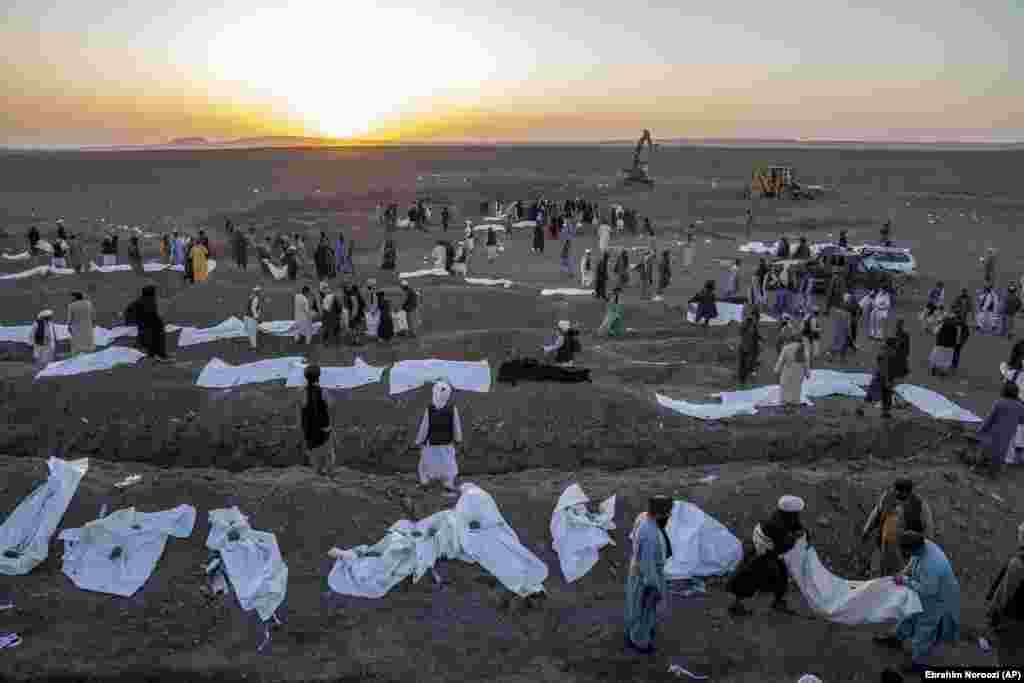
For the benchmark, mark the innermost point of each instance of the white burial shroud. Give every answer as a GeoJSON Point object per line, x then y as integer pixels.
{"type": "Point", "coordinates": [848, 602]}
{"type": "Point", "coordinates": [359, 374]}
{"type": "Point", "coordinates": [407, 375]}
{"type": "Point", "coordinates": [567, 291]}
{"type": "Point", "coordinates": [22, 334]}
{"type": "Point", "coordinates": [253, 562]}
{"type": "Point", "coordinates": [578, 534]}
{"type": "Point", "coordinates": [89, 558]}
{"type": "Point", "coordinates": [411, 549]}
{"type": "Point", "coordinates": [727, 313]}
{"type": "Point", "coordinates": [25, 535]}
{"type": "Point", "coordinates": [234, 328]}
{"type": "Point", "coordinates": [701, 545]}
{"type": "Point", "coordinates": [220, 375]}
{"type": "Point", "coordinates": [92, 362]}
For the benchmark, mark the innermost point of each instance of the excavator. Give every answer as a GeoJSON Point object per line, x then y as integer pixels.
{"type": "Point", "coordinates": [638, 173]}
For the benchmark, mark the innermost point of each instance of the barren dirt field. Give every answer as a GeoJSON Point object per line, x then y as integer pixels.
{"type": "Point", "coordinates": [524, 443]}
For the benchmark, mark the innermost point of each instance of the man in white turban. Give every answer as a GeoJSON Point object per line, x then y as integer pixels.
{"type": "Point", "coordinates": [440, 430]}
{"type": "Point", "coordinates": [763, 570]}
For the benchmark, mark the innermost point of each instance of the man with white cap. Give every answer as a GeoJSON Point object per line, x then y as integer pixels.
{"type": "Point", "coordinates": [44, 339]}
{"type": "Point", "coordinates": [762, 570]}
{"type": "Point", "coordinates": [439, 432]}
{"type": "Point", "coordinates": [461, 254]}
{"type": "Point", "coordinates": [1006, 608]}
{"type": "Point", "coordinates": [253, 315]}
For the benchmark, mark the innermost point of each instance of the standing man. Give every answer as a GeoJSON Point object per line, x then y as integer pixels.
{"type": "Point", "coordinates": [930, 575]}
{"type": "Point", "coordinates": [315, 422]}
{"type": "Point", "coordinates": [899, 509]}
{"type": "Point", "coordinates": [303, 315]}
{"type": "Point", "coordinates": [750, 344]}
{"type": "Point", "coordinates": [439, 432]}
{"type": "Point", "coordinates": [241, 250]}
{"type": "Point", "coordinates": [989, 266]}
{"type": "Point", "coordinates": [604, 236]}
{"type": "Point", "coordinates": [646, 586]}
{"type": "Point", "coordinates": [445, 218]}
{"type": "Point", "coordinates": [253, 316]}
{"type": "Point", "coordinates": [81, 318]}
{"type": "Point", "coordinates": [749, 223]}
{"type": "Point", "coordinates": [411, 306]}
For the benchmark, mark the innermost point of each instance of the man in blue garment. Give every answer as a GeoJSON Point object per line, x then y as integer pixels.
{"type": "Point", "coordinates": [930, 575]}
{"type": "Point", "coordinates": [646, 586]}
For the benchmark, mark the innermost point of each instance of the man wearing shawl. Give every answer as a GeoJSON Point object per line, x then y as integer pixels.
{"type": "Point", "coordinates": [439, 432]}
{"type": "Point", "coordinates": [998, 430]}
{"type": "Point", "coordinates": [342, 257]}
{"type": "Point", "coordinates": [646, 586]}
{"type": "Point", "coordinates": [930, 575]}
{"type": "Point", "coordinates": [899, 509]}
{"type": "Point", "coordinates": [664, 274]}
{"type": "Point", "coordinates": [613, 324]}
{"type": "Point", "coordinates": [1006, 608]}
{"type": "Point", "coordinates": [200, 267]}
{"type": "Point", "coordinates": [762, 569]}
{"type": "Point", "coordinates": [152, 335]}
{"type": "Point", "coordinates": [81, 324]}
{"type": "Point", "coordinates": [315, 421]}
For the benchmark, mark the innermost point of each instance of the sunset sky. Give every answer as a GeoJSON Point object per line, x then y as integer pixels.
{"type": "Point", "coordinates": [95, 73]}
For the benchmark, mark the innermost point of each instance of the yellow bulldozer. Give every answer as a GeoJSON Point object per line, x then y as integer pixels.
{"type": "Point", "coordinates": [778, 182]}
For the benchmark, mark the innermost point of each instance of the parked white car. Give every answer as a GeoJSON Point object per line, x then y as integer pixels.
{"type": "Point", "coordinates": [890, 259]}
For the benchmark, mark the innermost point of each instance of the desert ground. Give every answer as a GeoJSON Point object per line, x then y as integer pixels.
{"type": "Point", "coordinates": [524, 443]}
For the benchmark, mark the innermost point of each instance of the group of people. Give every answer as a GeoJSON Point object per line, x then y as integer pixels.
{"type": "Point", "coordinates": [902, 527]}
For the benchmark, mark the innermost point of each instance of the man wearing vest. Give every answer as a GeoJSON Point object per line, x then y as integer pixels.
{"type": "Point", "coordinates": [315, 423]}
{"type": "Point", "coordinates": [440, 430]}
{"type": "Point", "coordinates": [899, 509]}
{"type": "Point", "coordinates": [1006, 611]}
{"type": "Point", "coordinates": [253, 315]}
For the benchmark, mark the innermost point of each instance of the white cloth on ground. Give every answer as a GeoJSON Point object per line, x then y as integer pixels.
{"type": "Point", "coordinates": [727, 313]}
{"type": "Point", "coordinates": [92, 362]}
{"type": "Point", "coordinates": [701, 545]}
{"type": "Point", "coordinates": [232, 328]}
{"type": "Point", "coordinates": [23, 256]}
{"type": "Point", "coordinates": [284, 328]}
{"type": "Point", "coordinates": [464, 375]}
{"type": "Point", "coordinates": [567, 291]}
{"type": "Point", "coordinates": [345, 377]}
{"type": "Point", "coordinates": [141, 536]}
{"type": "Point", "coordinates": [253, 562]}
{"type": "Point", "coordinates": [219, 375]}
{"type": "Point", "coordinates": [423, 273]}
{"type": "Point", "coordinates": [525, 224]}
{"type": "Point", "coordinates": [408, 549]}
{"type": "Point", "coordinates": [38, 270]}
{"type": "Point", "coordinates": [486, 281]}
{"type": "Point", "coordinates": [578, 534]}
{"type": "Point", "coordinates": [494, 545]}
{"type": "Point", "coordinates": [27, 531]}
{"type": "Point", "coordinates": [706, 411]}
{"type": "Point", "coordinates": [934, 404]}
{"type": "Point", "coordinates": [821, 384]}
{"type": "Point", "coordinates": [21, 334]}
{"type": "Point", "coordinates": [847, 602]}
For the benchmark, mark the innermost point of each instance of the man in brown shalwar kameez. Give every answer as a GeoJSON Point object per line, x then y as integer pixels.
{"type": "Point", "coordinates": [81, 323]}
{"type": "Point", "coordinates": [898, 510]}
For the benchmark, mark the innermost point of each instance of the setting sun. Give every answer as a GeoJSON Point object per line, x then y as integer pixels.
{"type": "Point", "coordinates": [346, 70]}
